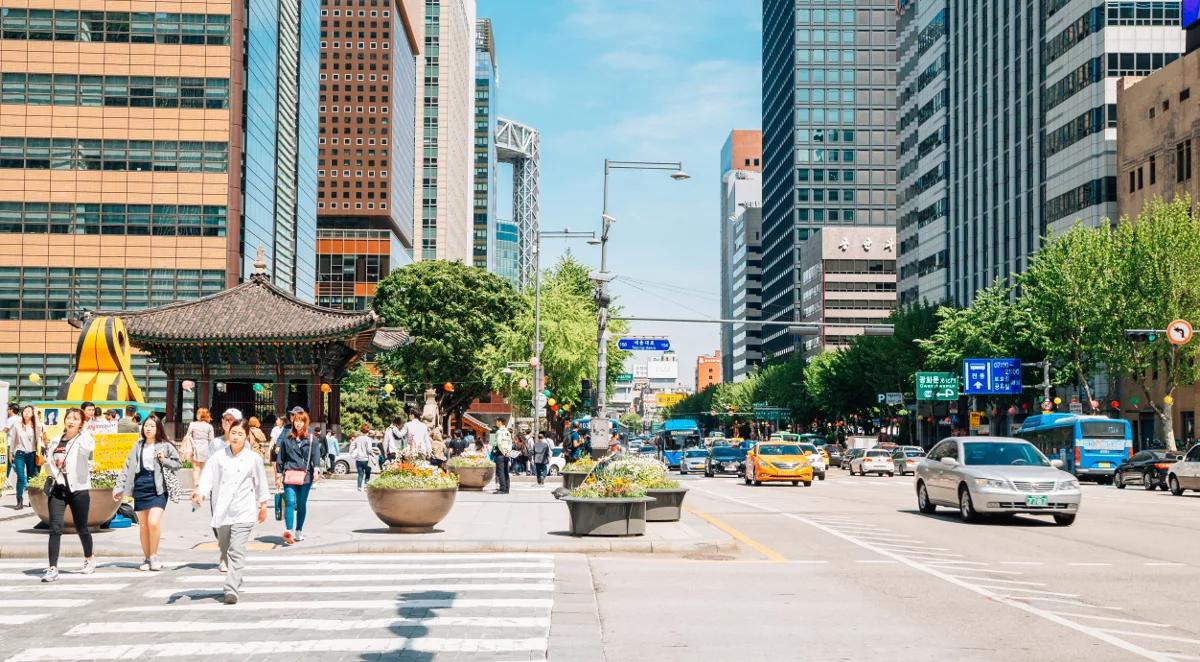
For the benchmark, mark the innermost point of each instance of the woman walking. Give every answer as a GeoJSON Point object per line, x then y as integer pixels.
{"type": "Point", "coordinates": [68, 461]}
{"type": "Point", "coordinates": [361, 448]}
{"type": "Point", "coordinates": [23, 439]}
{"type": "Point", "coordinates": [237, 484]}
{"type": "Point", "coordinates": [258, 439]}
{"type": "Point", "coordinates": [295, 472]}
{"type": "Point", "coordinates": [144, 479]}
{"type": "Point", "coordinates": [198, 442]}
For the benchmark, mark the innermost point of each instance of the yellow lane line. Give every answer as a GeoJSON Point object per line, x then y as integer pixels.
{"type": "Point", "coordinates": [771, 554]}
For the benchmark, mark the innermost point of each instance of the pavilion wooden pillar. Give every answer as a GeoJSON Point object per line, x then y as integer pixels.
{"type": "Point", "coordinates": [171, 416]}
{"type": "Point", "coordinates": [314, 399]}
{"type": "Point", "coordinates": [335, 405]}
{"type": "Point", "coordinates": [205, 388]}
{"type": "Point", "coordinates": [280, 392]}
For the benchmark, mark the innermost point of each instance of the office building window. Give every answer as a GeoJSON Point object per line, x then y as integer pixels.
{"type": "Point", "coordinates": [116, 91]}
{"type": "Point", "coordinates": [1183, 161]}
{"type": "Point", "coordinates": [112, 219]}
{"type": "Point", "coordinates": [115, 27]}
{"type": "Point", "coordinates": [119, 155]}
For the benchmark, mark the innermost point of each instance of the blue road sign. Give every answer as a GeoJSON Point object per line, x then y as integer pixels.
{"type": "Point", "coordinates": [644, 344]}
{"type": "Point", "coordinates": [991, 376]}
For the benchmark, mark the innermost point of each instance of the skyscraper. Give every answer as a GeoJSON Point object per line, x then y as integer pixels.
{"type": "Point", "coordinates": [144, 157]}
{"type": "Point", "coordinates": [448, 108]}
{"type": "Point", "coordinates": [367, 148]}
{"type": "Point", "coordinates": [829, 107]}
{"type": "Point", "coordinates": [741, 187]}
{"type": "Point", "coordinates": [487, 84]}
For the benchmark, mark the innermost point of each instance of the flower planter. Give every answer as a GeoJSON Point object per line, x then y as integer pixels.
{"type": "Point", "coordinates": [411, 511]}
{"type": "Point", "coordinates": [473, 479]}
{"type": "Point", "coordinates": [573, 480]}
{"type": "Point", "coordinates": [100, 509]}
{"type": "Point", "coordinates": [607, 517]}
{"type": "Point", "coordinates": [667, 506]}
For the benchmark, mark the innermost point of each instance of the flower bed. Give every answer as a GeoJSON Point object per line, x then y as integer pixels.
{"type": "Point", "coordinates": [651, 474]}
{"type": "Point", "coordinates": [574, 473]}
{"type": "Point", "coordinates": [411, 498]}
{"type": "Point", "coordinates": [101, 506]}
{"type": "Point", "coordinates": [473, 472]}
{"type": "Point", "coordinates": [608, 506]}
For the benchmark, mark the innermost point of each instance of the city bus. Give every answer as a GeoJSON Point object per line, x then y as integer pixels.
{"type": "Point", "coordinates": [676, 435]}
{"type": "Point", "coordinates": [1089, 446]}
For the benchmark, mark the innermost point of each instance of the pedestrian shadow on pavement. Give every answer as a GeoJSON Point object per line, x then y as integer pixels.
{"type": "Point", "coordinates": [411, 627]}
{"type": "Point", "coordinates": [1015, 519]}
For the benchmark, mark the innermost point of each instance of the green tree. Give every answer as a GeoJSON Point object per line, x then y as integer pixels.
{"type": "Point", "coordinates": [454, 312]}
{"type": "Point", "coordinates": [632, 421]}
{"type": "Point", "coordinates": [992, 327]}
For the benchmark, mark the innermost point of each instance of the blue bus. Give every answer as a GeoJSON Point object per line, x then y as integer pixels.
{"type": "Point", "coordinates": [676, 435]}
{"type": "Point", "coordinates": [1090, 446]}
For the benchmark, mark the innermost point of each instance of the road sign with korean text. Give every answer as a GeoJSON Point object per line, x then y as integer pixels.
{"type": "Point", "coordinates": [936, 386]}
{"type": "Point", "coordinates": [991, 376]}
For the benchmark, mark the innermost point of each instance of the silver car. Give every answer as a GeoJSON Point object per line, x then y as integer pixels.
{"type": "Point", "coordinates": [995, 475]}
{"type": "Point", "coordinates": [694, 460]}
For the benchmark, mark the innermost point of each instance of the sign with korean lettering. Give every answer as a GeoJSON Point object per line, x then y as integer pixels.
{"type": "Point", "coordinates": [937, 386]}
{"type": "Point", "coordinates": [991, 376]}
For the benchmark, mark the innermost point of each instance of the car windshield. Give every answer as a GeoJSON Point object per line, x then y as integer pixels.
{"type": "Point", "coordinates": [727, 453]}
{"type": "Point", "coordinates": [808, 448]}
{"type": "Point", "coordinates": [914, 453]}
{"type": "Point", "coordinates": [779, 449]}
{"type": "Point", "coordinates": [646, 449]}
{"type": "Point", "coordinates": [878, 454]}
{"type": "Point", "coordinates": [1003, 453]}
{"type": "Point", "coordinates": [695, 453]}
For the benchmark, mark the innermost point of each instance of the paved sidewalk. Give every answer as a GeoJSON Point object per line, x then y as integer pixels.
{"type": "Point", "coordinates": [340, 521]}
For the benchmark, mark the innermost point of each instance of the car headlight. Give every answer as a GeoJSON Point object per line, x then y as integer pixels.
{"type": "Point", "coordinates": [995, 483]}
{"type": "Point", "coordinates": [1068, 484]}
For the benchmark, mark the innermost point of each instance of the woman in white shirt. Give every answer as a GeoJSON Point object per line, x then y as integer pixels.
{"type": "Point", "coordinates": [361, 448]}
{"type": "Point", "coordinates": [23, 437]}
{"type": "Point", "coordinates": [199, 436]}
{"type": "Point", "coordinates": [236, 482]}
{"type": "Point", "coordinates": [68, 461]}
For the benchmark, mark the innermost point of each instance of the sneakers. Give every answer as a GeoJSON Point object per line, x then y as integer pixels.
{"type": "Point", "coordinates": [51, 575]}
{"type": "Point", "coordinates": [89, 567]}
{"type": "Point", "coordinates": [223, 567]}
{"type": "Point", "coordinates": [299, 536]}
{"type": "Point", "coordinates": [288, 538]}
{"type": "Point", "coordinates": [145, 566]}
{"type": "Point", "coordinates": [155, 564]}
{"type": "Point", "coordinates": [231, 598]}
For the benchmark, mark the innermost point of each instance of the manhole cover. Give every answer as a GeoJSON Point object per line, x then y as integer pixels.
{"type": "Point", "coordinates": [708, 557]}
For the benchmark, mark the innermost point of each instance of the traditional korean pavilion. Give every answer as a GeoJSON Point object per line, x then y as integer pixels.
{"type": "Point", "coordinates": [255, 347]}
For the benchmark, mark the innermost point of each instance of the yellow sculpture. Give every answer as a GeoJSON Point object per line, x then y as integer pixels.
{"type": "Point", "coordinates": [102, 365]}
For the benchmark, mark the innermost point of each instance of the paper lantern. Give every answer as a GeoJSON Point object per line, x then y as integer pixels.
{"type": "Point", "coordinates": [1057, 400]}
{"type": "Point", "coordinates": [1133, 401]}
{"type": "Point", "coordinates": [1114, 404]}
{"type": "Point", "coordinates": [551, 402]}
{"type": "Point", "coordinates": [566, 407]}
{"type": "Point", "coordinates": [1095, 404]}
{"type": "Point", "coordinates": [388, 388]}
{"type": "Point", "coordinates": [325, 388]}
{"type": "Point", "coordinates": [524, 383]}
{"type": "Point", "coordinates": [34, 377]}
{"type": "Point", "coordinates": [1168, 400]}
{"type": "Point", "coordinates": [258, 388]}
{"type": "Point", "coordinates": [188, 385]}
{"type": "Point", "coordinates": [448, 387]}
{"type": "Point", "coordinates": [1012, 411]}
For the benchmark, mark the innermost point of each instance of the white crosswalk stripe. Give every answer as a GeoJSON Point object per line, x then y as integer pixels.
{"type": "Point", "coordinates": [312, 607]}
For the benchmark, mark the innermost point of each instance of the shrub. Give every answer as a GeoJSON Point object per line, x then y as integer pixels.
{"type": "Point", "coordinates": [580, 466]}
{"type": "Point", "coordinates": [407, 476]}
{"type": "Point", "coordinates": [644, 470]}
{"type": "Point", "coordinates": [101, 480]}
{"type": "Point", "coordinates": [470, 462]}
{"type": "Point", "coordinates": [609, 488]}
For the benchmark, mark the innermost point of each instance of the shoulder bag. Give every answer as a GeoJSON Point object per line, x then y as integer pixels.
{"type": "Point", "coordinates": [188, 444]}
{"type": "Point", "coordinates": [171, 483]}
{"type": "Point", "coordinates": [295, 476]}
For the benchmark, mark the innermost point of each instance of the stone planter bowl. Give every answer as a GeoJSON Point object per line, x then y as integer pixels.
{"type": "Point", "coordinates": [667, 506]}
{"type": "Point", "coordinates": [473, 479]}
{"type": "Point", "coordinates": [100, 509]}
{"type": "Point", "coordinates": [411, 511]}
{"type": "Point", "coordinates": [573, 480]}
{"type": "Point", "coordinates": [607, 517]}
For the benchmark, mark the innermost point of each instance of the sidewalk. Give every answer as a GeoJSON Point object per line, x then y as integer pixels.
{"type": "Point", "coordinates": [340, 522]}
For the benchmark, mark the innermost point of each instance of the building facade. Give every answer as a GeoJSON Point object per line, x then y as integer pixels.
{"type": "Point", "coordinates": [740, 156]}
{"type": "Point", "coordinates": [144, 157]}
{"type": "Point", "coordinates": [367, 146]}
{"type": "Point", "coordinates": [746, 287]}
{"type": "Point", "coordinates": [847, 279]}
{"type": "Point", "coordinates": [829, 127]}
{"type": "Point", "coordinates": [447, 93]}
{"type": "Point", "coordinates": [487, 85]}
{"type": "Point", "coordinates": [922, 198]}
{"type": "Point", "coordinates": [708, 370]}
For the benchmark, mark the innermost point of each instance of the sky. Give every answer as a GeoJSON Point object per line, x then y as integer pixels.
{"type": "Point", "coordinates": [645, 80]}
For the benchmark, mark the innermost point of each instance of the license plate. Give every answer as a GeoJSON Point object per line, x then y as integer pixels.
{"type": "Point", "coordinates": [1104, 465]}
{"type": "Point", "coordinates": [1036, 500]}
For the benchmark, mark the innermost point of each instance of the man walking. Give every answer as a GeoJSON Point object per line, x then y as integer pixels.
{"type": "Point", "coordinates": [417, 434]}
{"type": "Point", "coordinates": [504, 448]}
{"type": "Point", "coordinates": [540, 455]}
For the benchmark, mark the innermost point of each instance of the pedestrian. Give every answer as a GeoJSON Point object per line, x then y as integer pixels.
{"type": "Point", "coordinates": [89, 417]}
{"type": "Point", "coordinates": [575, 449]}
{"type": "Point", "coordinates": [518, 460]}
{"type": "Point", "coordinates": [540, 455]}
{"type": "Point", "coordinates": [416, 434]}
{"type": "Point", "coordinates": [13, 417]}
{"type": "Point", "coordinates": [144, 478]}
{"type": "Point", "coordinates": [258, 438]}
{"type": "Point", "coordinates": [331, 448]}
{"type": "Point", "coordinates": [437, 446]}
{"type": "Point", "coordinates": [361, 448]}
{"type": "Point", "coordinates": [277, 430]}
{"type": "Point", "coordinates": [128, 422]}
{"type": "Point", "coordinates": [457, 444]}
{"type": "Point", "coordinates": [198, 441]}
{"type": "Point", "coordinates": [295, 472]}
{"type": "Point", "coordinates": [393, 438]}
{"type": "Point", "coordinates": [25, 435]}
{"type": "Point", "coordinates": [68, 459]}
{"type": "Point", "coordinates": [504, 449]}
{"type": "Point", "coordinates": [237, 484]}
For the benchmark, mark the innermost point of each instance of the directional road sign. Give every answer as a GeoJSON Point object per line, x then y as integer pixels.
{"type": "Point", "coordinates": [992, 376]}
{"type": "Point", "coordinates": [1179, 332]}
{"type": "Point", "coordinates": [895, 399]}
{"type": "Point", "coordinates": [644, 344]}
{"type": "Point", "coordinates": [937, 386]}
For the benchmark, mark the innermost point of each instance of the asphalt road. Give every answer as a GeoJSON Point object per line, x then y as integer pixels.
{"type": "Point", "coordinates": [848, 569]}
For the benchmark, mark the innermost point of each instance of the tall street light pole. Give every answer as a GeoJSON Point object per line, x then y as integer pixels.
{"type": "Point", "coordinates": [603, 277]}
{"type": "Point", "coordinates": [536, 361]}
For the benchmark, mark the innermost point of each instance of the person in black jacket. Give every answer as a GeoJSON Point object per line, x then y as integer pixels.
{"type": "Point", "coordinates": [299, 457]}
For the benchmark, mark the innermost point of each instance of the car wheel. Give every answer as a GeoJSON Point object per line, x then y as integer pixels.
{"type": "Point", "coordinates": [1173, 485]}
{"type": "Point", "coordinates": [890, 474]}
{"type": "Point", "coordinates": [746, 477]}
{"type": "Point", "coordinates": [923, 503]}
{"type": "Point", "coordinates": [1148, 482]}
{"type": "Point", "coordinates": [754, 477]}
{"type": "Point", "coordinates": [1064, 520]}
{"type": "Point", "coordinates": [808, 483]}
{"type": "Point", "coordinates": [821, 477]}
{"type": "Point", "coordinates": [341, 468]}
{"type": "Point", "coordinates": [1118, 482]}
{"type": "Point", "coordinates": [795, 483]}
{"type": "Point", "coordinates": [553, 470]}
{"type": "Point", "coordinates": [965, 506]}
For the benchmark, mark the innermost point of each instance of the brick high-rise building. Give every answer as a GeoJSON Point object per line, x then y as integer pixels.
{"type": "Point", "coordinates": [147, 149]}
{"type": "Point", "coordinates": [708, 370]}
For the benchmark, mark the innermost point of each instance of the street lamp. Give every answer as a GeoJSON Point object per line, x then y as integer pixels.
{"type": "Point", "coordinates": [602, 278]}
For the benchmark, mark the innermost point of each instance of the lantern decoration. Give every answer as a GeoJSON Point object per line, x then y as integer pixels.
{"type": "Point", "coordinates": [554, 408]}
{"type": "Point", "coordinates": [1114, 404]}
{"type": "Point", "coordinates": [448, 387]}
{"type": "Point", "coordinates": [524, 383]}
{"type": "Point", "coordinates": [34, 377]}
{"type": "Point", "coordinates": [1057, 400]}
{"type": "Point", "coordinates": [188, 385]}
{"type": "Point", "coordinates": [566, 407]}
{"type": "Point", "coordinates": [1025, 406]}
{"type": "Point", "coordinates": [1095, 404]}
{"type": "Point", "coordinates": [1012, 411]}
{"type": "Point", "coordinates": [258, 388]}
{"type": "Point", "coordinates": [551, 402]}
{"type": "Point", "coordinates": [1133, 401]}
{"type": "Point", "coordinates": [325, 388]}
{"type": "Point", "coordinates": [995, 411]}
{"type": "Point", "coordinates": [1168, 400]}
{"type": "Point", "coordinates": [388, 388]}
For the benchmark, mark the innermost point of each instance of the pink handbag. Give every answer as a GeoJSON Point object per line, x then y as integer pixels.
{"type": "Point", "coordinates": [294, 477]}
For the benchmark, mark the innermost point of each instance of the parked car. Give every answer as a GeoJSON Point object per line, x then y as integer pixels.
{"type": "Point", "coordinates": [1185, 474]}
{"type": "Point", "coordinates": [1001, 475]}
{"type": "Point", "coordinates": [1147, 468]}
{"type": "Point", "coordinates": [777, 461]}
{"type": "Point", "coordinates": [725, 460]}
{"type": "Point", "coordinates": [817, 457]}
{"type": "Point", "coordinates": [693, 460]}
{"type": "Point", "coordinates": [906, 459]}
{"type": "Point", "coordinates": [557, 461]}
{"type": "Point", "coordinates": [849, 456]}
{"type": "Point", "coordinates": [835, 454]}
{"type": "Point", "coordinates": [873, 461]}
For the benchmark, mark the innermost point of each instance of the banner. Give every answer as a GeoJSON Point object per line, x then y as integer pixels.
{"type": "Point", "coordinates": [112, 449]}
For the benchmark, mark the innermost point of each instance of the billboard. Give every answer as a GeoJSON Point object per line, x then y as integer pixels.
{"type": "Point", "coordinates": [669, 399]}
{"type": "Point", "coordinates": [1191, 13]}
{"type": "Point", "coordinates": [663, 370]}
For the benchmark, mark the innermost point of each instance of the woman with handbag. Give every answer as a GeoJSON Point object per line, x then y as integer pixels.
{"type": "Point", "coordinates": [361, 448]}
{"type": "Point", "coordinates": [68, 461]}
{"type": "Point", "coordinates": [295, 472]}
{"type": "Point", "coordinates": [149, 477]}
{"type": "Point", "coordinates": [24, 438]}
{"type": "Point", "coordinates": [198, 442]}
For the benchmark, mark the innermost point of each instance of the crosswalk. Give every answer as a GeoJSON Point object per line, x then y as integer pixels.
{"type": "Point", "coordinates": [312, 607]}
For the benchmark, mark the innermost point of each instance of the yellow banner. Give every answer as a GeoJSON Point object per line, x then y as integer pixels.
{"type": "Point", "coordinates": [112, 449]}
{"type": "Point", "coordinates": [4, 453]}
{"type": "Point", "coordinates": [669, 399]}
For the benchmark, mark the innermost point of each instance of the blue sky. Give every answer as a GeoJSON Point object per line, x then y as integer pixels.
{"type": "Point", "coordinates": [660, 80]}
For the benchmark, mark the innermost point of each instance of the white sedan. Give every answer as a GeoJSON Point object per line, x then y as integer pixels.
{"type": "Point", "coordinates": [874, 461]}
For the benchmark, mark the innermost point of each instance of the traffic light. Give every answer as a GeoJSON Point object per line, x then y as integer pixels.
{"type": "Point", "coordinates": [1141, 335]}
{"type": "Point", "coordinates": [585, 393]}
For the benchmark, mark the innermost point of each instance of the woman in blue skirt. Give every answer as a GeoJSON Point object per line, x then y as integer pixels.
{"type": "Point", "coordinates": [143, 478]}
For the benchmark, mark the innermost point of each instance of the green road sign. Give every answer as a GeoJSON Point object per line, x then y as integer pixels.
{"type": "Point", "coordinates": [937, 386]}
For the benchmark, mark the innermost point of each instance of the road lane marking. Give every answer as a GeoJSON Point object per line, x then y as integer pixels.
{"type": "Point", "coordinates": [1020, 563]}
{"type": "Point", "coordinates": [1170, 564]}
{"type": "Point", "coordinates": [1026, 590]}
{"type": "Point", "coordinates": [738, 535]}
{"type": "Point", "coordinates": [399, 559]}
{"type": "Point", "coordinates": [874, 561]}
{"type": "Point", "coordinates": [51, 602]}
{"type": "Point", "coordinates": [1001, 581]}
{"type": "Point", "coordinates": [59, 588]}
{"type": "Point", "coordinates": [1113, 620]}
{"type": "Point", "coordinates": [363, 605]}
{"type": "Point", "coordinates": [20, 577]}
{"type": "Point", "coordinates": [1088, 565]}
{"type": "Point", "coordinates": [1073, 603]}
{"type": "Point", "coordinates": [1093, 632]}
{"type": "Point", "coordinates": [920, 547]}
{"type": "Point", "coordinates": [246, 649]}
{"type": "Point", "coordinates": [311, 624]}
{"type": "Point", "coordinates": [355, 588]}
{"type": "Point", "coordinates": [1163, 637]}
{"type": "Point", "coordinates": [302, 579]}
{"type": "Point", "coordinates": [993, 572]}
{"type": "Point", "coordinates": [951, 563]}
{"type": "Point", "coordinates": [20, 619]}
{"type": "Point", "coordinates": [400, 567]}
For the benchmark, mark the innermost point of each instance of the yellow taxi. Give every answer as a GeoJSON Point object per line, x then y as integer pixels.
{"type": "Point", "coordinates": [769, 461]}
